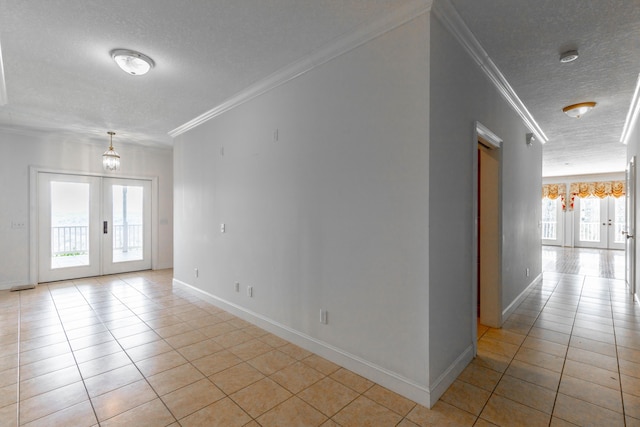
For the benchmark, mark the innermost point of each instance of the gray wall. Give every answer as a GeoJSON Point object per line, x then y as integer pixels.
{"type": "Point", "coordinates": [67, 154]}
{"type": "Point", "coordinates": [332, 215]}
{"type": "Point", "coordinates": [460, 95]}
{"type": "Point", "coordinates": [346, 210]}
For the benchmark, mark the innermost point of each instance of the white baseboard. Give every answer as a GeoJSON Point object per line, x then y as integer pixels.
{"type": "Point", "coordinates": [391, 380]}
{"type": "Point", "coordinates": [8, 285]}
{"type": "Point", "coordinates": [516, 302]}
{"type": "Point", "coordinates": [447, 378]}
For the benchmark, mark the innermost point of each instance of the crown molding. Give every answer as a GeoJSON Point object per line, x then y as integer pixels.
{"type": "Point", "coordinates": [451, 19]}
{"type": "Point", "coordinates": [632, 115]}
{"type": "Point", "coordinates": [3, 86]}
{"type": "Point", "coordinates": [360, 36]}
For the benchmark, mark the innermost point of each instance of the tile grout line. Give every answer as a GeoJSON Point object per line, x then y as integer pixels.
{"type": "Point", "coordinates": [120, 345]}
{"type": "Point", "coordinates": [502, 374]}
{"type": "Point", "coordinates": [18, 369]}
{"type": "Point", "coordinates": [615, 343]}
{"type": "Point", "coordinates": [72, 354]}
{"type": "Point", "coordinates": [526, 336]}
{"type": "Point", "coordinates": [564, 362]}
{"type": "Point", "coordinates": [189, 362]}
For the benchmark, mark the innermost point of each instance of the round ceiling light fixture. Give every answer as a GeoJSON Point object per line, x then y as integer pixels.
{"type": "Point", "coordinates": [578, 110]}
{"type": "Point", "coordinates": [568, 56]}
{"type": "Point", "coordinates": [132, 62]}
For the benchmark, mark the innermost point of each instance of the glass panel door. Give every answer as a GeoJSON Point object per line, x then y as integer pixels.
{"type": "Point", "coordinates": [589, 222]}
{"type": "Point", "coordinates": [67, 225]}
{"type": "Point", "coordinates": [88, 226]}
{"type": "Point", "coordinates": [600, 222]}
{"type": "Point", "coordinates": [616, 221]}
{"type": "Point", "coordinates": [127, 211]}
{"type": "Point", "coordinates": [552, 230]}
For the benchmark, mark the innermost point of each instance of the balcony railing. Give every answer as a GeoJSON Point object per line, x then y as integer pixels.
{"type": "Point", "coordinates": [589, 231]}
{"type": "Point", "coordinates": [131, 239]}
{"type": "Point", "coordinates": [69, 241]}
{"type": "Point", "coordinates": [74, 240]}
{"type": "Point", "coordinates": [549, 230]}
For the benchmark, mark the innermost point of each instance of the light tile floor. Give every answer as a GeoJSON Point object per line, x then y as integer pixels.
{"type": "Point", "coordinates": [132, 350]}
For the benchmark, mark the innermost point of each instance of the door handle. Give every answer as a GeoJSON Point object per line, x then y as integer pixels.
{"type": "Point", "coordinates": [105, 227]}
{"type": "Point", "coordinates": [629, 236]}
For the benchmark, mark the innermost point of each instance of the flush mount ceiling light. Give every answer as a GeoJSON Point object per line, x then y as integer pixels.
{"type": "Point", "coordinates": [568, 56]}
{"type": "Point", "coordinates": [578, 110]}
{"type": "Point", "coordinates": [132, 62]}
{"type": "Point", "coordinates": [111, 159]}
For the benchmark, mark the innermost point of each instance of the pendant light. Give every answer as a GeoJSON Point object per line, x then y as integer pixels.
{"type": "Point", "coordinates": [111, 159]}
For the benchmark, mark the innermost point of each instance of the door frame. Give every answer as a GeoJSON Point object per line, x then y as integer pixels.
{"type": "Point", "coordinates": [630, 228]}
{"type": "Point", "coordinates": [482, 134]}
{"type": "Point", "coordinates": [33, 213]}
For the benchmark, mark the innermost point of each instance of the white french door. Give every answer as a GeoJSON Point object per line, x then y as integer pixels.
{"type": "Point", "coordinates": [88, 226]}
{"type": "Point", "coordinates": [600, 222]}
{"type": "Point", "coordinates": [552, 222]}
{"type": "Point", "coordinates": [126, 227]}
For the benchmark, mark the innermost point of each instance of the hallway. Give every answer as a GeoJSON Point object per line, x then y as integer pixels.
{"type": "Point", "coordinates": [569, 355]}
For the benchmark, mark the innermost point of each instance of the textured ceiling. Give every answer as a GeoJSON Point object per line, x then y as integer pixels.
{"type": "Point", "coordinates": [525, 38]}
{"type": "Point", "coordinates": [60, 77]}
{"type": "Point", "coordinates": [61, 80]}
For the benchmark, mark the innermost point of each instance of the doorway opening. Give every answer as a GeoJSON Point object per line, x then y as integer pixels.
{"type": "Point", "coordinates": [489, 236]}
{"type": "Point", "coordinates": [487, 218]}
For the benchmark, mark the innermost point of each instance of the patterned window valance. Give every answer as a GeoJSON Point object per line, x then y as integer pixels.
{"type": "Point", "coordinates": [598, 189]}
{"type": "Point", "coordinates": [553, 191]}
{"type": "Point", "coordinates": [583, 189]}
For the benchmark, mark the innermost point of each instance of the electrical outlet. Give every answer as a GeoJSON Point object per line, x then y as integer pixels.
{"type": "Point", "coordinates": [250, 291]}
{"type": "Point", "coordinates": [527, 272]}
{"type": "Point", "coordinates": [223, 228]}
{"type": "Point", "coordinates": [196, 272]}
{"type": "Point", "coordinates": [237, 286]}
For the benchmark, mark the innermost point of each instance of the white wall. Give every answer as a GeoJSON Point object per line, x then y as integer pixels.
{"type": "Point", "coordinates": [460, 95]}
{"type": "Point", "coordinates": [48, 151]}
{"type": "Point", "coordinates": [333, 215]}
